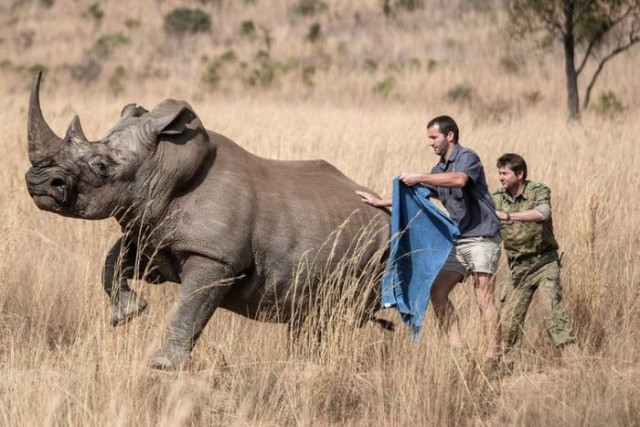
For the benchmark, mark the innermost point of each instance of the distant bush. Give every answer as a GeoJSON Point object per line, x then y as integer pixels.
{"type": "Point", "coordinates": [310, 7]}
{"type": "Point", "coordinates": [248, 28]}
{"type": "Point", "coordinates": [608, 105]}
{"type": "Point", "coordinates": [267, 69]}
{"type": "Point", "coordinates": [183, 20]}
{"type": "Point", "coordinates": [116, 80]}
{"type": "Point", "coordinates": [390, 7]}
{"type": "Point", "coordinates": [213, 76]}
{"type": "Point", "coordinates": [131, 23]}
{"type": "Point", "coordinates": [103, 47]}
{"type": "Point", "coordinates": [532, 97]}
{"type": "Point", "coordinates": [462, 93]}
{"type": "Point", "coordinates": [512, 64]}
{"type": "Point", "coordinates": [85, 71]}
{"type": "Point", "coordinates": [385, 87]}
{"type": "Point", "coordinates": [370, 65]}
{"type": "Point", "coordinates": [314, 32]}
{"type": "Point", "coordinates": [94, 12]}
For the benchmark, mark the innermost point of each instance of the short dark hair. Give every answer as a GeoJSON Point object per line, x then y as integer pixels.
{"type": "Point", "coordinates": [513, 161]}
{"type": "Point", "coordinates": [446, 124]}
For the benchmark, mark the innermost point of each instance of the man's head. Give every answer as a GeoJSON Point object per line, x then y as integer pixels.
{"type": "Point", "coordinates": [512, 171]}
{"type": "Point", "coordinates": [442, 132]}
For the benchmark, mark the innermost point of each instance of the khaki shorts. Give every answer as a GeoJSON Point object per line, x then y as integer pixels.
{"type": "Point", "coordinates": [474, 255]}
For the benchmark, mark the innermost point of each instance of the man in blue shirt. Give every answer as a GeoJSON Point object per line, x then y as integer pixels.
{"type": "Point", "coordinates": [460, 183]}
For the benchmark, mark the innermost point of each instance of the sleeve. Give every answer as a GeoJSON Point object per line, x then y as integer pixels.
{"type": "Point", "coordinates": [542, 201]}
{"type": "Point", "coordinates": [497, 201]}
{"type": "Point", "coordinates": [469, 164]}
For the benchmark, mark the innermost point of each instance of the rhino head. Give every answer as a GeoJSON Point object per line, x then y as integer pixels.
{"type": "Point", "coordinates": [143, 158]}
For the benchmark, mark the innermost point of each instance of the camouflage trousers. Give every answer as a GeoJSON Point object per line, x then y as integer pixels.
{"type": "Point", "coordinates": [542, 277]}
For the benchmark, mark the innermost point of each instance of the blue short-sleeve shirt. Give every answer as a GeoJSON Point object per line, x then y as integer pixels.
{"type": "Point", "coordinates": [471, 207]}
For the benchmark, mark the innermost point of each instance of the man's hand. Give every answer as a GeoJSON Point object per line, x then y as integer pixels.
{"type": "Point", "coordinates": [503, 216]}
{"type": "Point", "coordinates": [372, 200]}
{"type": "Point", "coordinates": [411, 178]}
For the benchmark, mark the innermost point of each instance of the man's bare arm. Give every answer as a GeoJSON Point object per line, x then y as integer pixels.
{"type": "Point", "coordinates": [446, 179]}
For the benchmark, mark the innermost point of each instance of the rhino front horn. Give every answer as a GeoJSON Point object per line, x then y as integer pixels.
{"type": "Point", "coordinates": [43, 142]}
{"type": "Point", "coordinates": [75, 133]}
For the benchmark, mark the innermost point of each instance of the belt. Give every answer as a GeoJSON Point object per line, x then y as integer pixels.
{"type": "Point", "coordinates": [532, 257]}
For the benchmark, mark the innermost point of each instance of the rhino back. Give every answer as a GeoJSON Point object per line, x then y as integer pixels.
{"type": "Point", "coordinates": [266, 218]}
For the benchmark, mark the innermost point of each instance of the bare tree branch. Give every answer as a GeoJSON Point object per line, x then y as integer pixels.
{"type": "Point", "coordinates": [597, 38]}
{"type": "Point", "coordinates": [633, 39]}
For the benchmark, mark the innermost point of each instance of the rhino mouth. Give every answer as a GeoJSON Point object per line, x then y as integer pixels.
{"type": "Point", "coordinates": [49, 192]}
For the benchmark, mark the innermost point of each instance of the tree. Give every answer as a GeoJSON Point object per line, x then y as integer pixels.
{"type": "Point", "coordinates": [591, 31]}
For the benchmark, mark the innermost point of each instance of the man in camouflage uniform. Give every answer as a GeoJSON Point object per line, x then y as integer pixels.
{"type": "Point", "coordinates": [524, 207]}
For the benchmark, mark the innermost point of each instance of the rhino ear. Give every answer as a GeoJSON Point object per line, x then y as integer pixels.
{"type": "Point", "coordinates": [171, 117]}
{"type": "Point", "coordinates": [132, 110]}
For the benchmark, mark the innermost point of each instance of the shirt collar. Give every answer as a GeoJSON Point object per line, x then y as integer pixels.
{"type": "Point", "coordinates": [453, 156]}
{"type": "Point", "coordinates": [523, 193]}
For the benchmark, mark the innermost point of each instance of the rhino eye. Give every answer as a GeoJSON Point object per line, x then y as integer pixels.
{"type": "Point", "coordinates": [100, 168]}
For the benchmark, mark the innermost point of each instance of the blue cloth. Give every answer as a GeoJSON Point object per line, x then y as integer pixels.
{"type": "Point", "coordinates": [421, 239]}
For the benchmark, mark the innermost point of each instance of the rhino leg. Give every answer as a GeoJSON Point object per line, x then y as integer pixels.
{"type": "Point", "coordinates": [203, 287]}
{"type": "Point", "coordinates": [119, 266]}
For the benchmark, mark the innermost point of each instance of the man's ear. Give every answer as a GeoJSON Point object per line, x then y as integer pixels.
{"type": "Point", "coordinates": [450, 136]}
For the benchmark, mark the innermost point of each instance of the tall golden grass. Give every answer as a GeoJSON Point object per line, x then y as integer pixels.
{"type": "Point", "coordinates": [61, 363]}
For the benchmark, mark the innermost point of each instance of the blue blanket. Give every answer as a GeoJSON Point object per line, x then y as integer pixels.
{"type": "Point", "coordinates": [421, 238]}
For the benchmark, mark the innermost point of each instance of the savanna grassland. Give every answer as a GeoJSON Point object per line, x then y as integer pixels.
{"type": "Point", "coordinates": [343, 82]}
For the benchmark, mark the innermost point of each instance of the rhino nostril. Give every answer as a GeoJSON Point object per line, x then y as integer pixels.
{"type": "Point", "coordinates": [57, 182]}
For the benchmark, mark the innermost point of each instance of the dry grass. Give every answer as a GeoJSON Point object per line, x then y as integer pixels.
{"type": "Point", "coordinates": [62, 364]}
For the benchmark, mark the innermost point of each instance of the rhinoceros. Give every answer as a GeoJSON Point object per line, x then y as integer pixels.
{"type": "Point", "coordinates": [237, 231]}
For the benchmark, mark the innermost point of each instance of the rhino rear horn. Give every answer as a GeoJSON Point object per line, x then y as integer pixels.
{"type": "Point", "coordinates": [43, 142]}
{"type": "Point", "coordinates": [75, 133]}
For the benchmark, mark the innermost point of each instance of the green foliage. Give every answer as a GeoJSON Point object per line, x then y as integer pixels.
{"type": "Point", "coordinates": [591, 19]}
{"type": "Point", "coordinates": [94, 12]}
{"type": "Point", "coordinates": [131, 23]}
{"type": "Point", "coordinates": [266, 70]}
{"type": "Point", "coordinates": [461, 93]}
{"type": "Point", "coordinates": [33, 69]}
{"type": "Point", "coordinates": [389, 8]}
{"type": "Point", "coordinates": [308, 71]}
{"type": "Point", "coordinates": [85, 71]}
{"type": "Point", "coordinates": [183, 20]}
{"type": "Point", "coordinates": [314, 32]}
{"type": "Point", "coordinates": [310, 7]}
{"type": "Point", "coordinates": [512, 64]}
{"type": "Point", "coordinates": [248, 28]}
{"type": "Point", "coordinates": [115, 82]}
{"type": "Point", "coordinates": [432, 64]}
{"type": "Point", "coordinates": [370, 65]}
{"type": "Point", "coordinates": [213, 76]}
{"type": "Point", "coordinates": [608, 105]}
{"type": "Point", "coordinates": [103, 47]}
{"type": "Point", "coordinates": [385, 87]}
{"type": "Point", "coordinates": [532, 97]}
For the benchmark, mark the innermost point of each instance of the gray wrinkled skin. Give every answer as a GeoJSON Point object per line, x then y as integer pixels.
{"type": "Point", "coordinates": [197, 209]}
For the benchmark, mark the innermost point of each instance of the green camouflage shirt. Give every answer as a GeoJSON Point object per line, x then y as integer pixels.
{"type": "Point", "coordinates": [522, 239]}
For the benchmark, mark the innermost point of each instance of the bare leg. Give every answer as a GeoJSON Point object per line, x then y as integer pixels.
{"type": "Point", "coordinates": [442, 307]}
{"type": "Point", "coordinates": [484, 286]}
